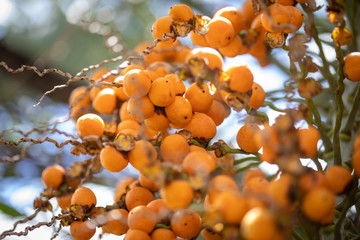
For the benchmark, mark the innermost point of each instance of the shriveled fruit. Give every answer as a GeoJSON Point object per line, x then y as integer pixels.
{"type": "Point", "coordinates": [53, 176]}
{"type": "Point", "coordinates": [90, 125]}
{"type": "Point", "coordinates": [84, 197]}
{"type": "Point", "coordinates": [177, 194]}
{"type": "Point", "coordinates": [186, 223]}
{"type": "Point", "coordinates": [142, 218]}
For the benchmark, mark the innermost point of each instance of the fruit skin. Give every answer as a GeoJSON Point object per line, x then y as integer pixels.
{"type": "Point", "coordinates": [84, 197]}
{"type": "Point", "coordinates": [163, 234]}
{"type": "Point", "coordinates": [258, 223]}
{"type": "Point", "coordinates": [80, 230]}
{"type": "Point", "coordinates": [138, 196]}
{"type": "Point", "coordinates": [90, 125]}
{"type": "Point", "coordinates": [318, 205]}
{"type": "Point", "coordinates": [53, 176]}
{"type": "Point", "coordinates": [116, 221]}
{"type": "Point", "coordinates": [186, 223]}
{"type": "Point", "coordinates": [220, 32]}
{"type": "Point", "coordinates": [257, 97]}
{"type": "Point", "coordinates": [337, 178]}
{"type": "Point", "coordinates": [177, 194]}
{"type": "Point", "coordinates": [142, 218]}
{"type": "Point", "coordinates": [246, 137]}
{"type": "Point", "coordinates": [308, 138]}
{"type": "Point", "coordinates": [112, 160]}
{"type": "Point", "coordinates": [181, 12]}
{"type": "Point", "coordinates": [174, 148]}
{"type": "Point", "coordinates": [351, 66]}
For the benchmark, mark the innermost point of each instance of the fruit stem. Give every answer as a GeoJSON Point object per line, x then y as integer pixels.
{"type": "Point", "coordinates": [340, 106]}
{"type": "Point", "coordinates": [350, 121]}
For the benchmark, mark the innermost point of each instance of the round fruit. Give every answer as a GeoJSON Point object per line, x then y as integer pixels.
{"type": "Point", "coordinates": [82, 230]}
{"type": "Point", "coordinates": [351, 66]}
{"type": "Point", "coordinates": [90, 125]}
{"type": "Point", "coordinates": [53, 176]}
{"type": "Point", "coordinates": [112, 159]}
{"type": "Point", "coordinates": [186, 223]}
{"type": "Point", "coordinates": [83, 197]}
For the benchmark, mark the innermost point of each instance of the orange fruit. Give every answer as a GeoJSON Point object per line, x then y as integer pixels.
{"type": "Point", "coordinates": [177, 194]}
{"type": "Point", "coordinates": [181, 12]}
{"type": "Point", "coordinates": [162, 92]}
{"type": "Point", "coordinates": [201, 126]}
{"type": "Point", "coordinates": [136, 83]}
{"type": "Point", "coordinates": [174, 148]}
{"type": "Point", "coordinates": [337, 178]}
{"type": "Point", "coordinates": [210, 56]}
{"type": "Point", "coordinates": [64, 201]}
{"type": "Point", "coordinates": [105, 101]}
{"type": "Point", "coordinates": [136, 234]}
{"type": "Point", "coordinates": [53, 176]}
{"type": "Point", "coordinates": [90, 125]}
{"type": "Point", "coordinates": [186, 223]}
{"type": "Point", "coordinates": [157, 122]}
{"type": "Point", "coordinates": [180, 111]}
{"type": "Point", "coordinates": [163, 212]}
{"type": "Point", "coordinates": [257, 97]}
{"type": "Point", "coordinates": [79, 96]}
{"type": "Point", "coordinates": [221, 183]}
{"type": "Point", "coordinates": [112, 159]}
{"type": "Point", "coordinates": [161, 26]}
{"type": "Point", "coordinates": [163, 234]}
{"type": "Point", "coordinates": [351, 66]}
{"type": "Point", "coordinates": [318, 204]}
{"type": "Point", "coordinates": [199, 40]}
{"type": "Point", "coordinates": [83, 197]}
{"type": "Point", "coordinates": [234, 16]}
{"type": "Point", "coordinates": [142, 154]}
{"type": "Point", "coordinates": [199, 96]}
{"type": "Point", "coordinates": [241, 78]}
{"type": "Point", "coordinates": [231, 205]}
{"type": "Point", "coordinates": [198, 162]}
{"type": "Point", "coordinates": [234, 48]}
{"type": "Point", "coordinates": [140, 108]}
{"type": "Point", "coordinates": [258, 223]}
{"type": "Point", "coordinates": [279, 16]}
{"type": "Point", "coordinates": [142, 218]}
{"type": "Point", "coordinates": [312, 180]}
{"type": "Point", "coordinates": [308, 138]}
{"type": "Point", "coordinates": [121, 187]}
{"type": "Point", "coordinates": [138, 196]}
{"type": "Point", "coordinates": [245, 137]}
{"type": "Point", "coordinates": [116, 221]}
{"type": "Point", "coordinates": [82, 230]}
{"type": "Point", "coordinates": [220, 32]}
{"type": "Point", "coordinates": [218, 111]}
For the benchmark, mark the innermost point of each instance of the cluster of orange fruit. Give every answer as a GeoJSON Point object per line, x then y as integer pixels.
{"type": "Point", "coordinates": [164, 127]}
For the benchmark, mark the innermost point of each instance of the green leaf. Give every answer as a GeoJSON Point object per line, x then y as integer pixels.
{"type": "Point", "coordinates": [9, 210]}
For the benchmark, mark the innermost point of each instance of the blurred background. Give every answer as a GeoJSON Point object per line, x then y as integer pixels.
{"type": "Point", "coordinates": [70, 35]}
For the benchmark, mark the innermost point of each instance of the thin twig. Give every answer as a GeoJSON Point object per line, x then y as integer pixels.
{"type": "Point", "coordinates": [38, 141]}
